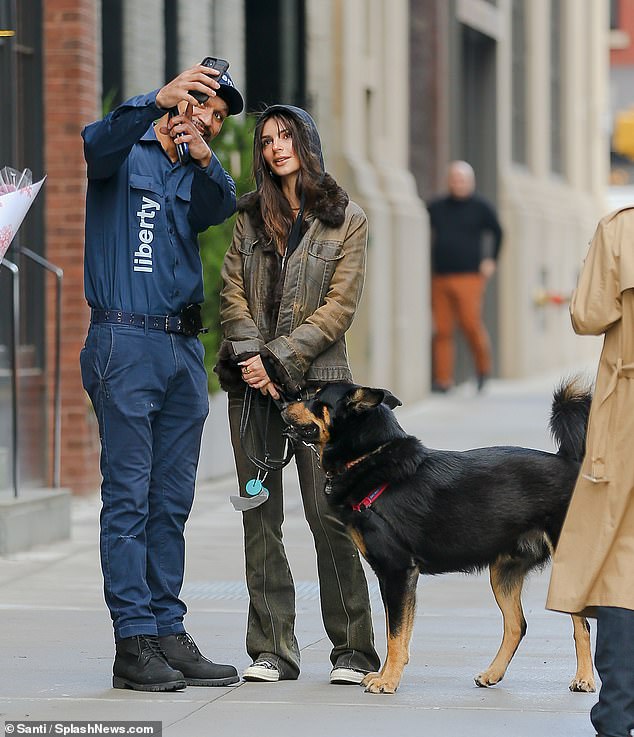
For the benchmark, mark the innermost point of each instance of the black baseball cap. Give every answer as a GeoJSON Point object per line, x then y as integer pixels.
{"type": "Point", "coordinates": [229, 93]}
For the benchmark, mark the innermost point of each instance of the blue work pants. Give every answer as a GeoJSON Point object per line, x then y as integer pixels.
{"type": "Point", "coordinates": [149, 392]}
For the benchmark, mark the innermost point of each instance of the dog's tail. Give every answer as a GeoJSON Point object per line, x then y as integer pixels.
{"type": "Point", "coordinates": [569, 417]}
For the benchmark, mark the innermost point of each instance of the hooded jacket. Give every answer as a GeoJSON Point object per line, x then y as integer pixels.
{"type": "Point", "coordinates": [302, 342]}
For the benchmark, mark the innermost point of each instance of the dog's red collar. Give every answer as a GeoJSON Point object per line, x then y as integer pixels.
{"type": "Point", "coordinates": [369, 499]}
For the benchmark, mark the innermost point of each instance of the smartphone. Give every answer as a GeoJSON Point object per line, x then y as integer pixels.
{"type": "Point", "coordinates": [182, 149]}
{"type": "Point", "coordinates": [220, 65]}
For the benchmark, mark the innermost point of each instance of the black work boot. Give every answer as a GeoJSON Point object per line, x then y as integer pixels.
{"type": "Point", "coordinates": [140, 664]}
{"type": "Point", "coordinates": [181, 652]}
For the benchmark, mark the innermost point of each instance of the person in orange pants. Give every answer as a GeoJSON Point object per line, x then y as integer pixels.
{"type": "Point", "coordinates": [466, 239]}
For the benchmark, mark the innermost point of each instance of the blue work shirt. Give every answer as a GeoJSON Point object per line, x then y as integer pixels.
{"type": "Point", "coordinates": [144, 213]}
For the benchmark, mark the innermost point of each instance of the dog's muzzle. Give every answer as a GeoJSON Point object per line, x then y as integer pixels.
{"type": "Point", "coordinates": [307, 434]}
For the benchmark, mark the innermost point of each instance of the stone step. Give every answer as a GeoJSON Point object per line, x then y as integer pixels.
{"type": "Point", "coordinates": [36, 517]}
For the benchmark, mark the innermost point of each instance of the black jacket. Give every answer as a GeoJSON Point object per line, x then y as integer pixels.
{"type": "Point", "coordinates": [459, 231]}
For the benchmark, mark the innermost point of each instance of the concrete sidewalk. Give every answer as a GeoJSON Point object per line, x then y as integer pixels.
{"type": "Point", "coordinates": [57, 646]}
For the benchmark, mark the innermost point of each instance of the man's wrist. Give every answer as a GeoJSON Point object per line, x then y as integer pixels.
{"type": "Point", "coordinates": [159, 105]}
{"type": "Point", "coordinates": [205, 161]}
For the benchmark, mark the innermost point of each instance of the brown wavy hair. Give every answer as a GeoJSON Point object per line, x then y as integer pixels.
{"type": "Point", "coordinates": [276, 210]}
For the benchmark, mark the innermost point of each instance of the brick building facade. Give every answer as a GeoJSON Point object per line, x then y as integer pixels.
{"type": "Point", "coordinates": [517, 87]}
{"type": "Point", "coordinates": [72, 94]}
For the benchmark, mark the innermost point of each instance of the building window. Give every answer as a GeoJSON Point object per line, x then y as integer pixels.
{"type": "Point", "coordinates": [556, 88]}
{"type": "Point", "coordinates": [275, 52]}
{"type": "Point", "coordinates": [614, 15]}
{"type": "Point", "coordinates": [518, 82]}
{"type": "Point", "coordinates": [112, 53]}
{"type": "Point", "coordinates": [21, 146]}
{"type": "Point", "coordinates": [170, 13]}
{"type": "Point", "coordinates": [7, 84]}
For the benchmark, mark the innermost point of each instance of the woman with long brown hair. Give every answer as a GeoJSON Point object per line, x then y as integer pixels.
{"type": "Point", "coordinates": [292, 282]}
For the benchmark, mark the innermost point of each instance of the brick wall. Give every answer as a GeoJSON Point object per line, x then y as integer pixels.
{"type": "Point", "coordinates": [72, 91]}
{"type": "Point", "coordinates": [624, 56]}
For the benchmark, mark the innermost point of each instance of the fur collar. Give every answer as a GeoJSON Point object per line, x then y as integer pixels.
{"type": "Point", "coordinates": [329, 209]}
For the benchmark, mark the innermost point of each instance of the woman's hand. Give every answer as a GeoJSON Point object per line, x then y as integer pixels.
{"type": "Point", "coordinates": [254, 373]}
{"type": "Point", "coordinates": [271, 389]}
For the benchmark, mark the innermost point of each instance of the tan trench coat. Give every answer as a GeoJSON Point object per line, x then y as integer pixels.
{"type": "Point", "coordinates": [594, 561]}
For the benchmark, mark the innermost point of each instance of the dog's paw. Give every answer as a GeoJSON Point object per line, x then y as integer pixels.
{"type": "Point", "coordinates": [583, 685]}
{"type": "Point", "coordinates": [376, 683]}
{"type": "Point", "coordinates": [486, 679]}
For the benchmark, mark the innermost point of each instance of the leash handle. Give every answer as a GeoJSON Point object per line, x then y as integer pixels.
{"type": "Point", "coordinates": [266, 463]}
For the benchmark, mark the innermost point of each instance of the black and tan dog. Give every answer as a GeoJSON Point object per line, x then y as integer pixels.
{"type": "Point", "coordinates": [413, 510]}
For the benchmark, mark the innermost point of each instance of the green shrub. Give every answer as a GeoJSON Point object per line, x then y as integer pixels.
{"type": "Point", "coordinates": [234, 148]}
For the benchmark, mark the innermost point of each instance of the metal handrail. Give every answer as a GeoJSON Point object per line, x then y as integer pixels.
{"type": "Point", "coordinates": [57, 395]}
{"type": "Point", "coordinates": [15, 331]}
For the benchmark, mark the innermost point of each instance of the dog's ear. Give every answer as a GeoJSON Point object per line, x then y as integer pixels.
{"type": "Point", "coordinates": [389, 399]}
{"type": "Point", "coordinates": [364, 398]}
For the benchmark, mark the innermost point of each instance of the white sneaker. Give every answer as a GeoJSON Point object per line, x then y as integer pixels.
{"type": "Point", "coordinates": [261, 670]}
{"type": "Point", "coordinates": [345, 676]}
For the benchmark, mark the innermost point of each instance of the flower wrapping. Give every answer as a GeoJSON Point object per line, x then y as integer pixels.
{"type": "Point", "coordinates": [17, 193]}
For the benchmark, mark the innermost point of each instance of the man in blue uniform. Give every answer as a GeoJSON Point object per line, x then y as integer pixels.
{"type": "Point", "coordinates": [142, 363]}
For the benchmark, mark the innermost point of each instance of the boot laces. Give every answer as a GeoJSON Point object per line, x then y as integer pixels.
{"type": "Point", "coordinates": [186, 640]}
{"type": "Point", "coordinates": [149, 646]}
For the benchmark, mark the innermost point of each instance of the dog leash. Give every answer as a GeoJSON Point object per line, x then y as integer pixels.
{"type": "Point", "coordinates": [267, 463]}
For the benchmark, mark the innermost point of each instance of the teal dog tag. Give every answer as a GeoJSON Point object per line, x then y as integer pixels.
{"type": "Point", "coordinates": [253, 487]}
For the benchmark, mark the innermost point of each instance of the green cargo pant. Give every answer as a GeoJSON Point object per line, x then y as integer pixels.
{"type": "Point", "coordinates": [345, 605]}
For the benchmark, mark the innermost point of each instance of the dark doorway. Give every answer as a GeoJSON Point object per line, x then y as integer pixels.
{"type": "Point", "coordinates": [112, 53]}
{"type": "Point", "coordinates": [21, 146]}
{"type": "Point", "coordinates": [474, 139]}
{"type": "Point", "coordinates": [275, 43]}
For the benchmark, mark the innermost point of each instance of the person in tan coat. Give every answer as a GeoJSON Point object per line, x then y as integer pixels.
{"type": "Point", "coordinates": [593, 566]}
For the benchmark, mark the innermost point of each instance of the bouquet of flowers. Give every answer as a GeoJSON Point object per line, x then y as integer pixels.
{"type": "Point", "coordinates": [17, 193]}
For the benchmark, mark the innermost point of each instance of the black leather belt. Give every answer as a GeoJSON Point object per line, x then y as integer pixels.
{"type": "Point", "coordinates": [166, 323]}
